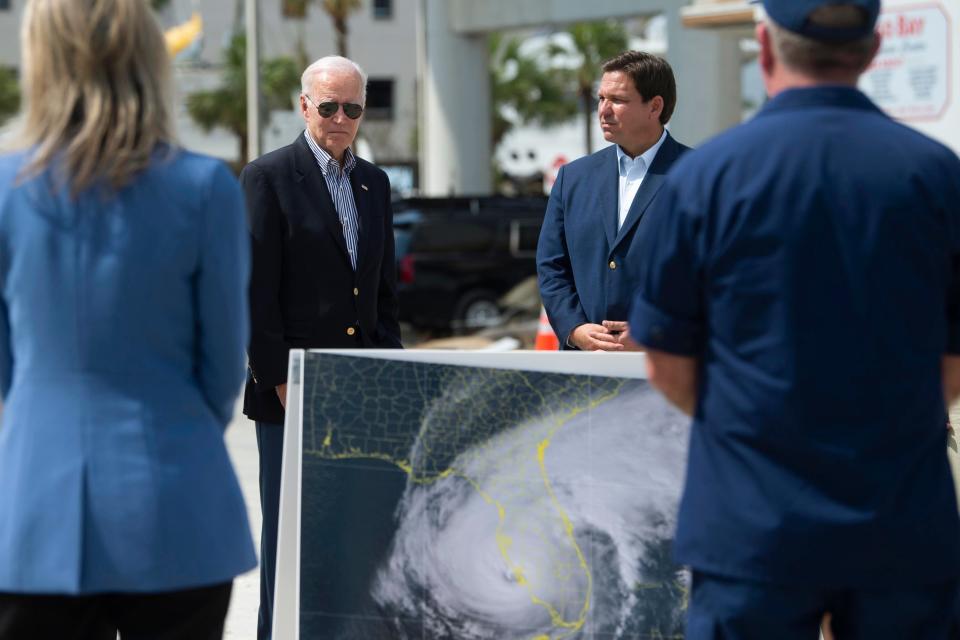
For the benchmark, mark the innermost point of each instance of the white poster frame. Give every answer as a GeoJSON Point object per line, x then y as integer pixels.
{"type": "Point", "coordinates": [286, 601]}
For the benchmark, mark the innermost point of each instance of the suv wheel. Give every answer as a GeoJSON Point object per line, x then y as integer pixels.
{"type": "Point", "coordinates": [477, 309]}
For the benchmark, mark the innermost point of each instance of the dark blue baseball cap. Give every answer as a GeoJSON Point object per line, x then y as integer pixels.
{"type": "Point", "coordinates": [793, 15]}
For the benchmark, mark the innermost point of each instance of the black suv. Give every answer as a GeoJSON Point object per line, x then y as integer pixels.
{"type": "Point", "coordinates": [457, 256]}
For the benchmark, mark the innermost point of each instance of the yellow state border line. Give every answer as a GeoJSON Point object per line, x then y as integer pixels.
{"type": "Point", "coordinates": [503, 542]}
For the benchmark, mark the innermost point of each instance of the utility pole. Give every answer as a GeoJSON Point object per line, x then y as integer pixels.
{"type": "Point", "coordinates": [253, 80]}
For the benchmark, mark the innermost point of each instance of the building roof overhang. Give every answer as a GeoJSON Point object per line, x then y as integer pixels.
{"type": "Point", "coordinates": [711, 14]}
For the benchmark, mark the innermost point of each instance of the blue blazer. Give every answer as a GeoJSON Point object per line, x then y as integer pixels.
{"type": "Point", "coordinates": [123, 322]}
{"type": "Point", "coordinates": [588, 270]}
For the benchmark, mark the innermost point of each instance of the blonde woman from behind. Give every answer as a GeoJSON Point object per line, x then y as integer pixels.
{"type": "Point", "coordinates": [123, 321]}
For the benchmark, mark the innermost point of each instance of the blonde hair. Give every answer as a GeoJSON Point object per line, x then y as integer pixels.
{"type": "Point", "coordinates": [96, 89]}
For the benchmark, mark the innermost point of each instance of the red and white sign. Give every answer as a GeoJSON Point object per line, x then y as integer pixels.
{"type": "Point", "coordinates": [551, 175]}
{"type": "Point", "coordinates": [911, 76]}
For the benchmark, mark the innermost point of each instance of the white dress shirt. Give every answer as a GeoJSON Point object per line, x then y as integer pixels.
{"type": "Point", "coordinates": [632, 172]}
{"type": "Point", "coordinates": [338, 184]}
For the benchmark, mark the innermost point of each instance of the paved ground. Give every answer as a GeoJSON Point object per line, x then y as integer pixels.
{"type": "Point", "coordinates": [242, 443]}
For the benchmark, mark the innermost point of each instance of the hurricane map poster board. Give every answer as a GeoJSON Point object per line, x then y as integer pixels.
{"type": "Point", "coordinates": [478, 496]}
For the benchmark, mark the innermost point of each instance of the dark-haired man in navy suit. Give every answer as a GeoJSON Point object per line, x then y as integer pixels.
{"type": "Point", "coordinates": [586, 259]}
{"type": "Point", "coordinates": [323, 266]}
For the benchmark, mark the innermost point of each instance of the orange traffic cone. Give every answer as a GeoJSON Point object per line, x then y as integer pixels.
{"type": "Point", "coordinates": [546, 338]}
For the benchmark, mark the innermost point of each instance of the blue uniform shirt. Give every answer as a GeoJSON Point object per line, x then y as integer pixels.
{"type": "Point", "coordinates": [810, 259]}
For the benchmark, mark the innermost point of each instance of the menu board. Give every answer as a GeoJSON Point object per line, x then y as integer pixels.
{"type": "Point", "coordinates": [912, 75]}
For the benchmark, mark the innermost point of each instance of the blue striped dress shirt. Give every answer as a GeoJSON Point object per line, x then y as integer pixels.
{"type": "Point", "coordinates": [338, 184]}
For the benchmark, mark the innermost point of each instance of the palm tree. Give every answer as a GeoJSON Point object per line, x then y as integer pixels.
{"type": "Point", "coordinates": [548, 93]}
{"type": "Point", "coordinates": [594, 43]}
{"type": "Point", "coordinates": [525, 84]}
{"type": "Point", "coordinates": [297, 10]}
{"type": "Point", "coordinates": [339, 11]}
{"type": "Point", "coordinates": [226, 106]}
{"type": "Point", "coordinates": [9, 94]}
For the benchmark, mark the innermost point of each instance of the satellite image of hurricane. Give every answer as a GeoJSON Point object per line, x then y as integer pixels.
{"type": "Point", "coordinates": [445, 502]}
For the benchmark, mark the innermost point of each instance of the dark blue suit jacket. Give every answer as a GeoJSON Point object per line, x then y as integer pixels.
{"type": "Point", "coordinates": [587, 269]}
{"type": "Point", "coordinates": [303, 291]}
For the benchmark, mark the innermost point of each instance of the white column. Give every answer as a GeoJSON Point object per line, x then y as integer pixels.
{"type": "Point", "coordinates": [707, 65]}
{"type": "Point", "coordinates": [254, 130]}
{"type": "Point", "coordinates": [455, 103]}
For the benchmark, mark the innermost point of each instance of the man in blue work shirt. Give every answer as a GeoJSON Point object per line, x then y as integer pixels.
{"type": "Point", "coordinates": [802, 302]}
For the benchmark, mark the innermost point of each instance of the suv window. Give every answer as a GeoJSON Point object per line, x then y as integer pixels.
{"type": "Point", "coordinates": [452, 235]}
{"type": "Point", "coordinates": [524, 235]}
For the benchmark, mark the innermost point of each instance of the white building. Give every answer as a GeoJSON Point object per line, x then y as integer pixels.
{"type": "Point", "coordinates": [382, 39]}
{"type": "Point", "coordinates": [444, 120]}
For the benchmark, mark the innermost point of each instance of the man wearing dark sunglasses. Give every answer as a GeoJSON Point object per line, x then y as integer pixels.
{"type": "Point", "coordinates": [323, 266]}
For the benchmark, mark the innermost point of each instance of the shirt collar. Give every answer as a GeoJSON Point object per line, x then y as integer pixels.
{"type": "Point", "coordinates": [624, 161]}
{"type": "Point", "coordinates": [819, 96]}
{"type": "Point", "coordinates": [325, 160]}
